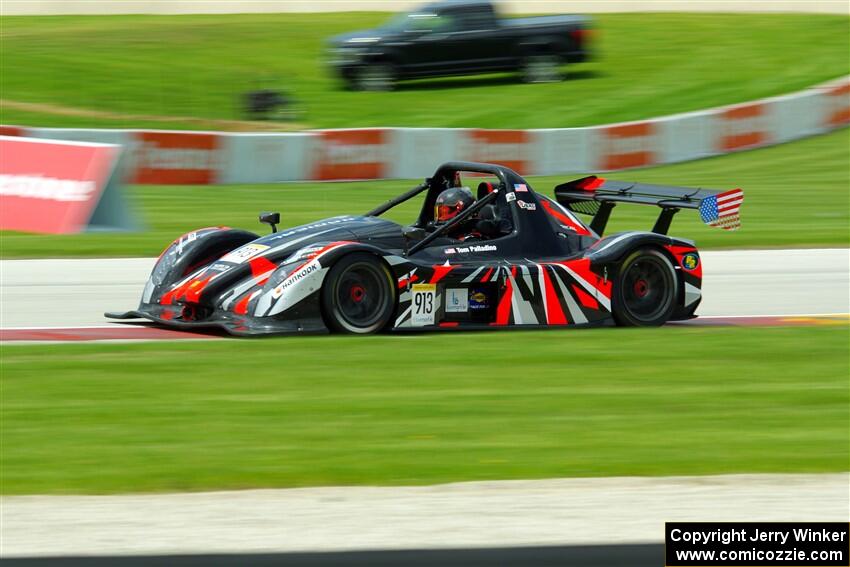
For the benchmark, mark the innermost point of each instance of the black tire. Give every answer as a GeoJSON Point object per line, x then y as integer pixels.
{"type": "Point", "coordinates": [541, 68]}
{"type": "Point", "coordinates": [378, 76]}
{"type": "Point", "coordinates": [646, 289]}
{"type": "Point", "coordinates": [358, 295]}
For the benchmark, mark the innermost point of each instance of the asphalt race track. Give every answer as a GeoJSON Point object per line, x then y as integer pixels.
{"type": "Point", "coordinates": [65, 299]}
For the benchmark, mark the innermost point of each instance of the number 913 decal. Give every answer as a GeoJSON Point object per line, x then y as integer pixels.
{"type": "Point", "coordinates": [424, 304]}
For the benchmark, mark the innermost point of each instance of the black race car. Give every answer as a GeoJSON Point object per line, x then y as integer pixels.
{"type": "Point", "coordinates": [513, 257]}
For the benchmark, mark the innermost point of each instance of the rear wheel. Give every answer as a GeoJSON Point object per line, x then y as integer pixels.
{"type": "Point", "coordinates": [375, 77]}
{"type": "Point", "coordinates": [541, 68]}
{"type": "Point", "coordinates": [645, 290]}
{"type": "Point", "coordinates": [358, 295]}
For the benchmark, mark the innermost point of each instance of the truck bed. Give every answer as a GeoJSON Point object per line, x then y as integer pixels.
{"type": "Point", "coordinates": [543, 21]}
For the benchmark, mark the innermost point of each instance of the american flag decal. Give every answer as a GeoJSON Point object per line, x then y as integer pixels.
{"type": "Point", "coordinates": [722, 210]}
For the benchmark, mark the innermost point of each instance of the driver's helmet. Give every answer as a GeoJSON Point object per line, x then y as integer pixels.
{"type": "Point", "coordinates": [451, 202]}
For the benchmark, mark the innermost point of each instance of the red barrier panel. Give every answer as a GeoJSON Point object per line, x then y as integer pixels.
{"type": "Point", "coordinates": [743, 127]}
{"type": "Point", "coordinates": [352, 154]}
{"type": "Point", "coordinates": [54, 187]}
{"type": "Point", "coordinates": [177, 158]}
{"type": "Point", "coordinates": [838, 105]}
{"type": "Point", "coordinates": [628, 145]}
{"type": "Point", "coordinates": [507, 147]}
{"type": "Point", "coordinates": [11, 131]}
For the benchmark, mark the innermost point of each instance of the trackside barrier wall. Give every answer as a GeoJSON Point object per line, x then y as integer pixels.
{"type": "Point", "coordinates": [200, 158]}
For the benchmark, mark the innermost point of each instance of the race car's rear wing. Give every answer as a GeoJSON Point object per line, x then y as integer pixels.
{"type": "Point", "coordinates": [597, 197]}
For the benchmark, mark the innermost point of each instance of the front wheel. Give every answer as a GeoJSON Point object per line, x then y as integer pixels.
{"type": "Point", "coordinates": [645, 290]}
{"type": "Point", "coordinates": [358, 295]}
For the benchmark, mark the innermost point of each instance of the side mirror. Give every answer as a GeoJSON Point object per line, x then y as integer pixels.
{"type": "Point", "coordinates": [272, 219]}
{"type": "Point", "coordinates": [413, 233]}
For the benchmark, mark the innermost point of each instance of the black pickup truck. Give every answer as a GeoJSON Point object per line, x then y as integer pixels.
{"type": "Point", "coordinates": [458, 37]}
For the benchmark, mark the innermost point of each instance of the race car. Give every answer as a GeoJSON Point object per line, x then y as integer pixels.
{"type": "Point", "coordinates": [503, 256]}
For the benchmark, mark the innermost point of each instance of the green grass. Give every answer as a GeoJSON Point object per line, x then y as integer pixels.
{"type": "Point", "coordinates": [796, 195]}
{"type": "Point", "coordinates": [197, 66]}
{"type": "Point", "coordinates": [423, 409]}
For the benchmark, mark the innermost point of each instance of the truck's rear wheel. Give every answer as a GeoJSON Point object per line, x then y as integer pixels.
{"type": "Point", "coordinates": [358, 295]}
{"type": "Point", "coordinates": [645, 290]}
{"type": "Point", "coordinates": [375, 77]}
{"type": "Point", "coordinates": [541, 68]}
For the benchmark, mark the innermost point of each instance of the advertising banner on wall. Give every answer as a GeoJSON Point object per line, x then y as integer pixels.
{"type": "Point", "coordinates": [511, 148]}
{"type": "Point", "coordinates": [838, 105]}
{"type": "Point", "coordinates": [60, 187]}
{"type": "Point", "coordinates": [352, 154]}
{"type": "Point", "coordinates": [622, 146]}
{"type": "Point", "coordinates": [11, 131]}
{"type": "Point", "coordinates": [177, 158]}
{"type": "Point", "coordinates": [742, 127]}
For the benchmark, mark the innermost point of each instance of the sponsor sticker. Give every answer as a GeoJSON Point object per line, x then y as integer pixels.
{"type": "Point", "coordinates": [690, 261]}
{"type": "Point", "coordinates": [510, 196]}
{"type": "Point", "coordinates": [527, 206]}
{"type": "Point", "coordinates": [457, 300]}
{"type": "Point", "coordinates": [295, 277]}
{"type": "Point", "coordinates": [246, 252]}
{"type": "Point", "coordinates": [424, 304]}
{"type": "Point", "coordinates": [478, 299]}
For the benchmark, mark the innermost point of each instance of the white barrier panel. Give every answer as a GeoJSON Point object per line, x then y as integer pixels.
{"type": "Point", "coordinates": [419, 151]}
{"type": "Point", "coordinates": [266, 158]}
{"type": "Point", "coordinates": [796, 116]}
{"type": "Point", "coordinates": [182, 157]}
{"type": "Point", "coordinates": [684, 137]}
{"type": "Point", "coordinates": [563, 151]}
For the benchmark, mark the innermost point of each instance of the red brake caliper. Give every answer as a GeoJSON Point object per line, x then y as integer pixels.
{"type": "Point", "coordinates": [357, 293]}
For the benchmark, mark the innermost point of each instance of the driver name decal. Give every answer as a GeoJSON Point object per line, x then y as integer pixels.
{"type": "Point", "coordinates": [473, 248]}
